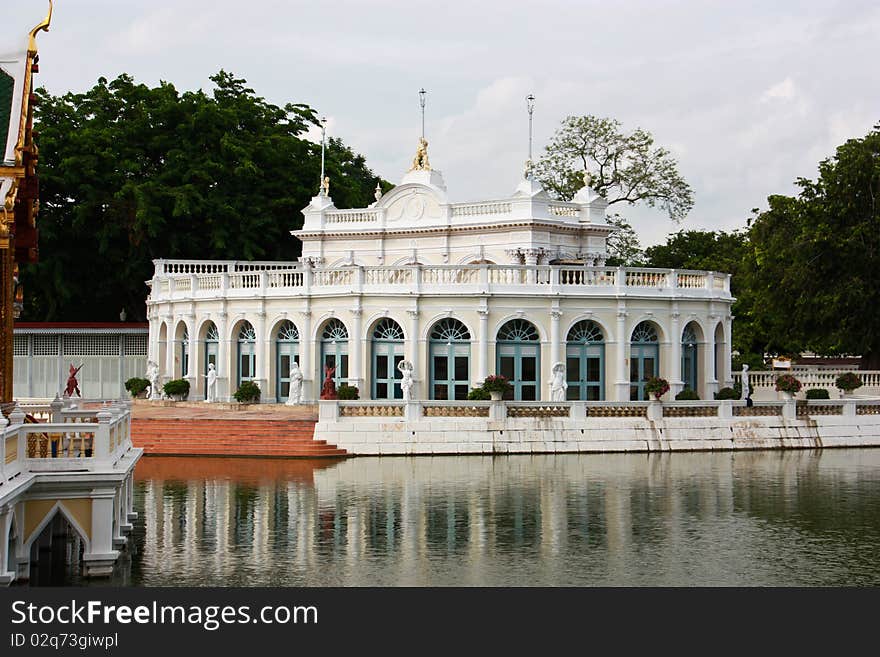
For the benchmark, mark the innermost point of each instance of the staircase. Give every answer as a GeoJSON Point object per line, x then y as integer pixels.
{"type": "Point", "coordinates": [230, 437]}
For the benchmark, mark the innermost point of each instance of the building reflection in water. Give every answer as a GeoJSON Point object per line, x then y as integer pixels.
{"type": "Point", "coordinates": [660, 519]}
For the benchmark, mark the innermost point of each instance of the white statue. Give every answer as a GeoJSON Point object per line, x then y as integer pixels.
{"type": "Point", "coordinates": [558, 384]}
{"type": "Point", "coordinates": [296, 384]}
{"type": "Point", "coordinates": [406, 383]}
{"type": "Point", "coordinates": [746, 391]}
{"type": "Point", "coordinates": [153, 376]}
{"type": "Point", "coordinates": [211, 387]}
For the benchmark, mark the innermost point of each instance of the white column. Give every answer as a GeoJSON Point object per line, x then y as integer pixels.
{"type": "Point", "coordinates": [306, 345]}
{"type": "Point", "coordinates": [356, 351]}
{"type": "Point", "coordinates": [6, 572]}
{"type": "Point", "coordinates": [421, 382]}
{"type": "Point", "coordinates": [261, 370]}
{"type": "Point", "coordinates": [711, 385]}
{"type": "Point", "coordinates": [675, 374]}
{"type": "Point", "coordinates": [193, 374]}
{"type": "Point", "coordinates": [622, 374]}
{"type": "Point", "coordinates": [225, 385]}
{"type": "Point", "coordinates": [727, 360]}
{"type": "Point", "coordinates": [170, 348]}
{"type": "Point", "coordinates": [100, 557]}
{"type": "Point", "coordinates": [483, 356]}
{"type": "Point", "coordinates": [555, 354]}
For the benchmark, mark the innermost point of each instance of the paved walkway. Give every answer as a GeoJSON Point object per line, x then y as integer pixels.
{"type": "Point", "coordinates": [144, 410]}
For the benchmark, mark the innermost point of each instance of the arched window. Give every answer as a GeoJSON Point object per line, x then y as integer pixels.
{"type": "Point", "coordinates": [518, 358]}
{"type": "Point", "coordinates": [689, 357]}
{"type": "Point", "coordinates": [286, 353]}
{"type": "Point", "coordinates": [387, 350]}
{"type": "Point", "coordinates": [212, 346]}
{"type": "Point", "coordinates": [585, 362]}
{"type": "Point", "coordinates": [644, 360]}
{"type": "Point", "coordinates": [334, 350]}
{"type": "Point", "coordinates": [247, 353]}
{"type": "Point", "coordinates": [449, 354]}
{"type": "Point", "coordinates": [184, 352]}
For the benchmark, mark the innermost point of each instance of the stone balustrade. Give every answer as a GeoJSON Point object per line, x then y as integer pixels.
{"type": "Point", "coordinates": [765, 381]}
{"type": "Point", "coordinates": [179, 280]}
{"type": "Point", "coordinates": [72, 440]}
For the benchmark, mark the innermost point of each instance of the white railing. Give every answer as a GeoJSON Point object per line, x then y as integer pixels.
{"type": "Point", "coordinates": [561, 210]}
{"type": "Point", "coordinates": [566, 279]}
{"type": "Point", "coordinates": [479, 209]}
{"type": "Point", "coordinates": [351, 216]}
{"type": "Point", "coordinates": [73, 439]}
{"type": "Point", "coordinates": [814, 379]}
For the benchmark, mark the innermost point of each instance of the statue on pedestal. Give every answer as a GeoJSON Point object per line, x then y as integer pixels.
{"type": "Point", "coordinates": [406, 383]}
{"type": "Point", "coordinates": [72, 384]}
{"type": "Point", "coordinates": [296, 384]}
{"type": "Point", "coordinates": [328, 388]}
{"type": "Point", "coordinates": [211, 387]}
{"type": "Point", "coordinates": [746, 390]}
{"type": "Point", "coordinates": [558, 384]}
{"type": "Point", "coordinates": [153, 377]}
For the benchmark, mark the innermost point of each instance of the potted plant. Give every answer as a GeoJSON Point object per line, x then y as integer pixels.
{"type": "Point", "coordinates": [727, 393]}
{"type": "Point", "coordinates": [177, 389]}
{"type": "Point", "coordinates": [657, 387]}
{"type": "Point", "coordinates": [687, 395]}
{"type": "Point", "coordinates": [817, 393]}
{"type": "Point", "coordinates": [136, 386]}
{"type": "Point", "coordinates": [496, 385]}
{"type": "Point", "coordinates": [347, 392]}
{"type": "Point", "coordinates": [847, 383]}
{"type": "Point", "coordinates": [478, 394]}
{"type": "Point", "coordinates": [248, 393]}
{"type": "Point", "coordinates": [788, 385]}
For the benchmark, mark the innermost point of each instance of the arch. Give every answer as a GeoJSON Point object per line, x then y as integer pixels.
{"type": "Point", "coordinates": [720, 368]}
{"type": "Point", "coordinates": [518, 358]}
{"type": "Point", "coordinates": [431, 323]}
{"type": "Point", "coordinates": [246, 342]}
{"type": "Point", "coordinates": [585, 361]}
{"type": "Point", "coordinates": [449, 355]}
{"type": "Point", "coordinates": [644, 360]}
{"type": "Point", "coordinates": [209, 335]}
{"type": "Point", "coordinates": [286, 340]}
{"type": "Point", "coordinates": [386, 353]}
{"type": "Point", "coordinates": [691, 337]}
{"type": "Point", "coordinates": [607, 334]}
{"type": "Point", "coordinates": [27, 541]}
{"type": "Point", "coordinates": [181, 349]}
{"type": "Point", "coordinates": [334, 337]}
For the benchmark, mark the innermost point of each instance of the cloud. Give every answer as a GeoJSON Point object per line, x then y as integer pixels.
{"type": "Point", "coordinates": [784, 90]}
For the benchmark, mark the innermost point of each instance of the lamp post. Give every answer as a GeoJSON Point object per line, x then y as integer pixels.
{"type": "Point", "coordinates": [323, 147]}
{"type": "Point", "coordinates": [530, 106]}
{"type": "Point", "coordinates": [422, 96]}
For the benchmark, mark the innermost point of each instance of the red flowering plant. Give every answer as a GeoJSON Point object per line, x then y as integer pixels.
{"type": "Point", "coordinates": [788, 383]}
{"type": "Point", "coordinates": [848, 381]}
{"type": "Point", "coordinates": [657, 387]}
{"type": "Point", "coordinates": [496, 383]}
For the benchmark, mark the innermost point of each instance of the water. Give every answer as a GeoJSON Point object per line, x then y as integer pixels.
{"type": "Point", "coordinates": [734, 518]}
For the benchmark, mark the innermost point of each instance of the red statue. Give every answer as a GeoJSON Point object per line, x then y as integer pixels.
{"type": "Point", "coordinates": [328, 389]}
{"type": "Point", "coordinates": [72, 384]}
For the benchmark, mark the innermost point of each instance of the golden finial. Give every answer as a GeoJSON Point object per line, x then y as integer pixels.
{"type": "Point", "coordinates": [44, 25]}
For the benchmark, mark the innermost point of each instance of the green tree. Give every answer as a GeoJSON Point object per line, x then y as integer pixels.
{"type": "Point", "coordinates": [623, 245]}
{"type": "Point", "coordinates": [130, 173]}
{"type": "Point", "coordinates": [623, 167]}
{"type": "Point", "coordinates": [723, 252]}
{"type": "Point", "coordinates": [816, 258]}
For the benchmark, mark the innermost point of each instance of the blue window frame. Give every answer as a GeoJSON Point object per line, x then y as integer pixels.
{"type": "Point", "coordinates": [387, 350]}
{"type": "Point", "coordinates": [286, 353]}
{"type": "Point", "coordinates": [644, 359]}
{"type": "Point", "coordinates": [585, 362]}
{"type": "Point", "coordinates": [689, 357]}
{"type": "Point", "coordinates": [334, 350]}
{"type": "Point", "coordinates": [247, 353]}
{"type": "Point", "coordinates": [184, 352]}
{"type": "Point", "coordinates": [449, 355]}
{"type": "Point", "coordinates": [518, 358]}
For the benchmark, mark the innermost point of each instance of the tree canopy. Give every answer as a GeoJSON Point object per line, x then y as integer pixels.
{"type": "Point", "coordinates": [623, 167]}
{"type": "Point", "coordinates": [130, 173]}
{"type": "Point", "coordinates": [815, 258]}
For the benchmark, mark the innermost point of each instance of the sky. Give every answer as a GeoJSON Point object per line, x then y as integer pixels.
{"type": "Point", "coordinates": [748, 96]}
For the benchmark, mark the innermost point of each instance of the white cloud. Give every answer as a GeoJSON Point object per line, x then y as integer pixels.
{"type": "Point", "coordinates": [785, 90]}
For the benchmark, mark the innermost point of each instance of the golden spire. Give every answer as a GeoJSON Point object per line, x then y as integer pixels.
{"type": "Point", "coordinates": [44, 25]}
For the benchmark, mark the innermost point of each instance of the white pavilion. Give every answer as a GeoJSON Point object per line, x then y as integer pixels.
{"type": "Point", "coordinates": [507, 286]}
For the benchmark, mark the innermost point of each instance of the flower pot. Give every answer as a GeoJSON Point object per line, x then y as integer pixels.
{"type": "Point", "coordinates": [787, 396]}
{"type": "Point", "coordinates": [496, 396]}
